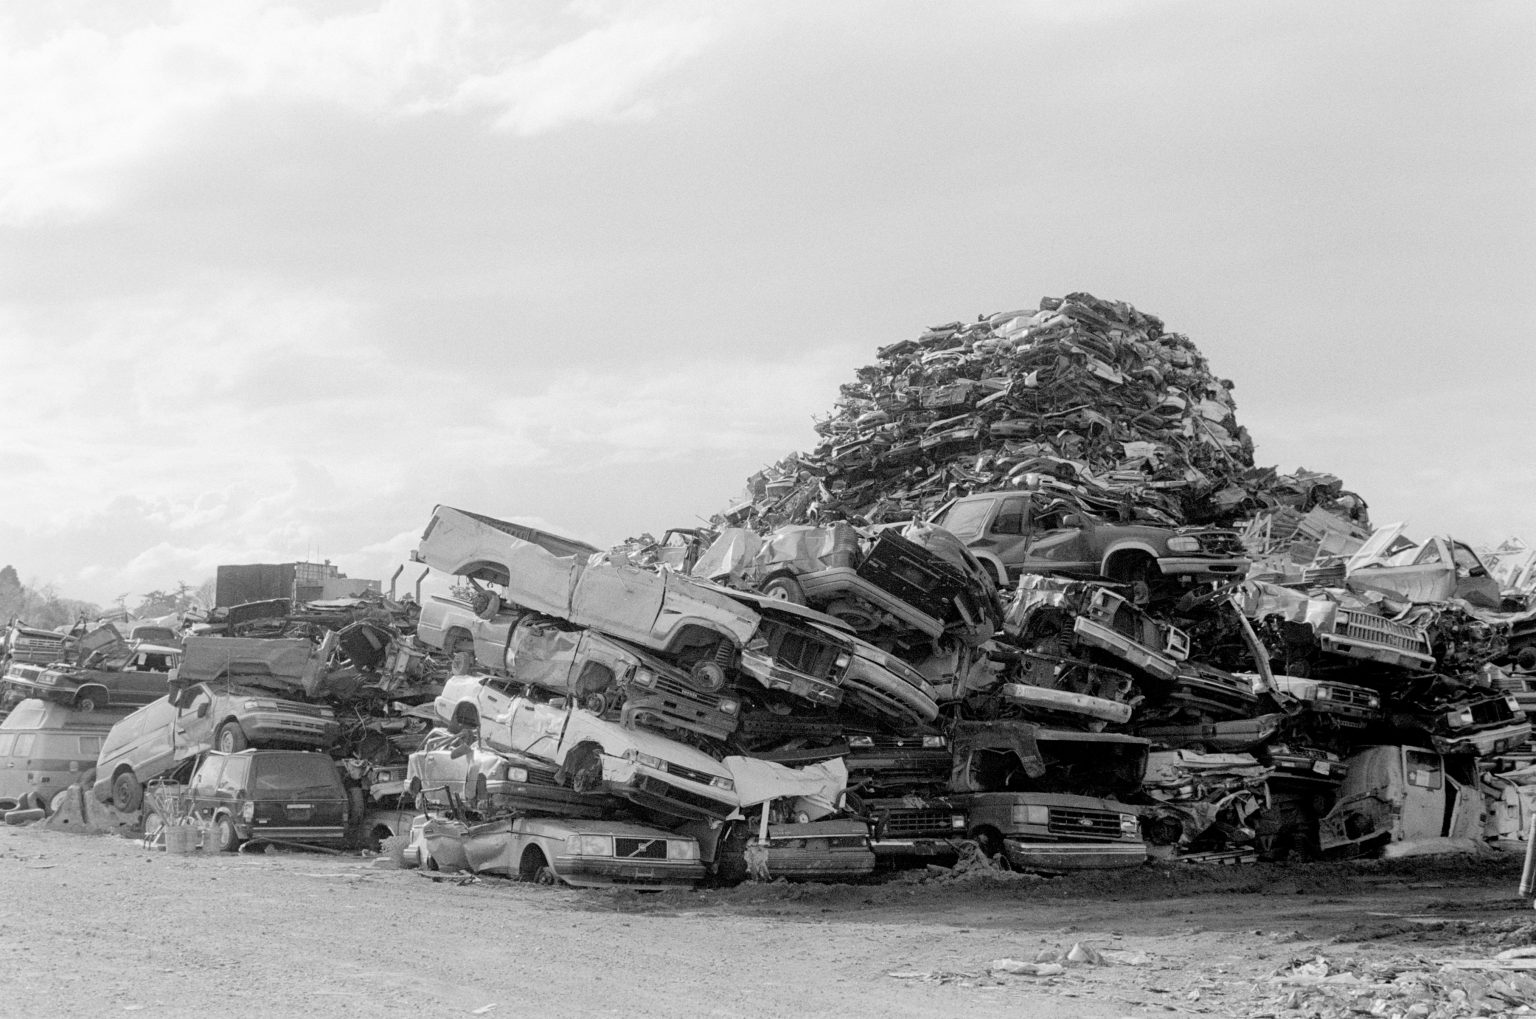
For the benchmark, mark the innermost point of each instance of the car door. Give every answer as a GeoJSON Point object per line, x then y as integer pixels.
{"type": "Point", "coordinates": [1428, 800]}
{"type": "Point", "coordinates": [534, 729]}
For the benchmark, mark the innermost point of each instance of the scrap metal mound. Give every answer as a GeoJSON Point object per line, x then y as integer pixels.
{"type": "Point", "coordinates": [1087, 397]}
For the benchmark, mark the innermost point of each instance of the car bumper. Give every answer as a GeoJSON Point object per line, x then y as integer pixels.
{"type": "Point", "coordinates": [1064, 856]}
{"type": "Point", "coordinates": [593, 872]}
{"type": "Point", "coordinates": [661, 791]}
{"type": "Point", "coordinates": [1485, 744]}
{"type": "Point", "coordinates": [291, 833]}
{"type": "Point", "coordinates": [1098, 635]}
{"type": "Point", "coordinates": [1196, 566]}
{"type": "Point", "coordinates": [927, 848]}
{"type": "Point", "coordinates": [1350, 647]}
{"type": "Point", "coordinates": [263, 728]}
{"type": "Point", "coordinates": [817, 865]}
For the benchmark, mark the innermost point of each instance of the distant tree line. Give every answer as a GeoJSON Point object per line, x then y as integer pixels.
{"type": "Point", "coordinates": [41, 606]}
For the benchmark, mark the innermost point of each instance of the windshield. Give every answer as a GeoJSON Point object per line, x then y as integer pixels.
{"type": "Point", "coordinates": [966, 518]}
{"type": "Point", "coordinates": [296, 774]}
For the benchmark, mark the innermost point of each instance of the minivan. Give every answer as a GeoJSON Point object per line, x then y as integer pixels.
{"type": "Point", "coordinates": [204, 716]}
{"type": "Point", "coordinates": [267, 795]}
{"type": "Point", "coordinates": [46, 747]}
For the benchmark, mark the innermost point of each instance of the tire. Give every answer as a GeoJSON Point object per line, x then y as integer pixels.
{"type": "Point", "coordinates": [153, 823]}
{"type": "Point", "coordinates": [785, 589]}
{"type": "Point", "coordinates": [531, 864]}
{"type": "Point", "coordinates": [223, 836]}
{"type": "Point", "coordinates": [230, 738]}
{"type": "Point", "coordinates": [127, 793]}
{"type": "Point", "coordinates": [545, 876]}
{"type": "Point", "coordinates": [584, 770]}
{"type": "Point", "coordinates": [988, 841]}
{"type": "Point", "coordinates": [88, 702]}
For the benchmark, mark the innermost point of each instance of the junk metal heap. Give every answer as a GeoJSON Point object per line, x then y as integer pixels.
{"type": "Point", "coordinates": [1092, 394]}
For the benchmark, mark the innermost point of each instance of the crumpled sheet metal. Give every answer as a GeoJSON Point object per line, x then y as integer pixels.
{"type": "Point", "coordinates": [1128, 416]}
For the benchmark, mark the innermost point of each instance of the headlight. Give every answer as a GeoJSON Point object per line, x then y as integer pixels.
{"type": "Point", "coordinates": [842, 661]}
{"type": "Point", "coordinates": [645, 678]}
{"type": "Point", "coordinates": [1322, 693]}
{"type": "Point", "coordinates": [862, 742]}
{"type": "Point", "coordinates": [1463, 717]}
{"type": "Point", "coordinates": [1035, 815]}
{"type": "Point", "coordinates": [723, 783]}
{"type": "Point", "coordinates": [682, 850]}
{"type": "Point", "coordinates": [1373, 701]}
{"type": "Point", "coordinates": [1183, 543]}
{"type": "Point", "coordinates": [957, 822]}
{"type": "Point", "coordinates": [47, 679]}
{"type": "Point", "coordinates": [729, 705]}
{"type": "Point", "coordinates": [517, 775]}
{"type": "Point", "coordinates": [248, 812]}
{"type": "Point", "coordinates": [1129, 825]}
{"type": "Point", "coordinates": [645, 760]}
{"type": "Point", "coordinates": [589, 845]}
{"type": "Point", "coordinates": [933, 743]}
{"type": "Point", "coordinates": [261, 705]}
{"type": "Point", "coordinates": [1514, 705]}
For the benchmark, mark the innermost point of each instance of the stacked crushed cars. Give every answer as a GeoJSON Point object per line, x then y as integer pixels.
{"type": "Point", "coordinates": [1028, 595]}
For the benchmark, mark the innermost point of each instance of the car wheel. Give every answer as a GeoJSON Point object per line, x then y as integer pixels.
{"type": "Point", "coordinates": [785, 589]}
{"type": "Point", "coordinates": [153, 825]}
{"type": "Point", "coordinates": [584, 770]}
{"type": "Point", "coordinates": [86, 703]}
{"type": "Point", "coordinates": [988, 841]}
{"type": "Point", "coordinates": [127, 794]}
{"type": "Point", "coordinates": [230, 738]}
{"type": "Point", "coordinates": [225, 838]}
{"type": "Point", "coordinates": [545, 876]}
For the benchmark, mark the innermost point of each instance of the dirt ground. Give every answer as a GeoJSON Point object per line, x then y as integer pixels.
{"type": "Point", "coordinates": [97, 925]}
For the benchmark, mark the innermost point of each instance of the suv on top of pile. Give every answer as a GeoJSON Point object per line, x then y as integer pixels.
{"type": "Point", "coordinates": [1018, 532]}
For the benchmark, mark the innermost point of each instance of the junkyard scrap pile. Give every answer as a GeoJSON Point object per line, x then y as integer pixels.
{"type": "Point", "coordinates": [1028, 597]}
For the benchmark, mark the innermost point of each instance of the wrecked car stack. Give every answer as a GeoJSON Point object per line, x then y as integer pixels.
{"type": "Point", "coordinates": [1028, 592]}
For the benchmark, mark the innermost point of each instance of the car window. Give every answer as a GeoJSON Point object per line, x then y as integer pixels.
{"type": "Point", "coordinates": [1010, 518]}
{"type": "Point", "coordinates": [295, 773]}
{"type": "Point", "coordinates": [232, 778]}
{"type": "Point", "coordinates": [1422, 768]}
{"type": "Point", "coordinates": [23, 744]}
{"type": "Point", "coordinates": [90, 745]}
{"type": "Point", "coordinates": [965, 518]}
{"type": "Point", "coordinates": [7, 743]}
{"type": "Point", "coordinates": [206, 779]}
{"type": "Point", "coordinates": [1430, 553]}
{"type": "Point", "coordinates": [1466, 558]}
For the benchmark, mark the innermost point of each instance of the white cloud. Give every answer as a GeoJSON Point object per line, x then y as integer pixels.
{"type": "Point", "coordinates": [79, 101]}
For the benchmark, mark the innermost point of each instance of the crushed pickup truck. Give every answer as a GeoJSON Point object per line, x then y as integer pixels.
{"type": "Point", "coordinates": [109, 672]}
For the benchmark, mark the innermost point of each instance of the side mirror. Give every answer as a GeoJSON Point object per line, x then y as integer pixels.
{"type": "Point", "coordinates": [1071, 520]}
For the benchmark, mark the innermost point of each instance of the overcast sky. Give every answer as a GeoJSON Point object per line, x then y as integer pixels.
{"type": "Point", "coordinates": [275, 279]}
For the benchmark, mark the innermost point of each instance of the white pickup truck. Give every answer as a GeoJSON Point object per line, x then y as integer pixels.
{"type": "Point", "coordinates": [452, 626]}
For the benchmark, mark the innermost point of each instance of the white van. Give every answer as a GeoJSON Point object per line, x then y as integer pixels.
{"type": "Point", "coordinates": [46, 747]}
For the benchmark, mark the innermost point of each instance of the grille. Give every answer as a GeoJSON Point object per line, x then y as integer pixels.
{"type": "Point", "coordinates": [1075, 822]}
{"type": "Point", "coordinates": [1351, 696]}
{"type": "Point", "coordinates": [666, 791]}
{"type": "Point", "coordinates": [916, 821]}
{"type": "Point", "coordinates": [639, 849]}
{"type": "Point", "coordinates": [1494, 711]}
{"type": "Point", "coordinates": [690, 774]}
{"type": "Point", "coordinates": [682, 691]}
{"type": "Point", "coordinates": [1366, 627]}
{"type": "Point", "coordinates": [802, 652]}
